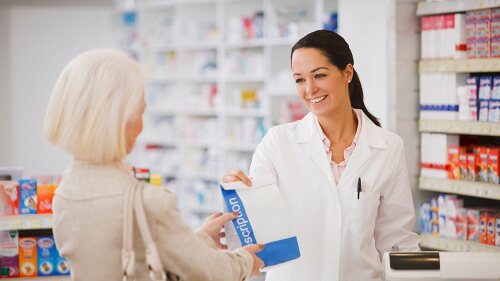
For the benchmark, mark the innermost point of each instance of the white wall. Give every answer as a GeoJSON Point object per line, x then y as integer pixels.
{"type": "Point", "coordinates": [5, 130]}
{"type": "Point", "coordinates": [367, 27]}
{"type": "Point", "coordinates": [43, 37]}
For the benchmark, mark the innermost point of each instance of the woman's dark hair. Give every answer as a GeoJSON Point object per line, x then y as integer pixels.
{"type": "Point", "coordinates": [336, 49]}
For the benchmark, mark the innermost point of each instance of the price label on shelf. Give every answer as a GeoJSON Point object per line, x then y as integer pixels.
{"type": "Point", "coordinates": [16, 223]}
{"type": "Point", "coordinates": [5, 224]}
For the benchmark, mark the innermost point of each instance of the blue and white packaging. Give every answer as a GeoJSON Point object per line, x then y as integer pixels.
{"type": "Point", "coordinates": [28, 198]}
{"type": "Point", "coordinates": [263, 219]}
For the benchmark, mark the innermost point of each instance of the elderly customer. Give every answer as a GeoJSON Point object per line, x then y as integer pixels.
{"type": "Point", "coordinates": [95, 114]}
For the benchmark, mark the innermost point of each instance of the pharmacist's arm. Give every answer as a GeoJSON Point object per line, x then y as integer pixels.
{"type": "Point", "coordinates": [396, 214]}
{"type": "Point", "coordinates": [184, 253]}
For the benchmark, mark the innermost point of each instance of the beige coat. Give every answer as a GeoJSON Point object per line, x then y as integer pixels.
{"type": "Point", "coordinates": [88, 218]}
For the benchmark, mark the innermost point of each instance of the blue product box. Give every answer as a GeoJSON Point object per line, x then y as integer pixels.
{"type": "Point", "coordinates": [62, 266]}
{"type": "Point", "coordinates": [495, 91]}
{"type": "Point", "coordinates": [47, 256]}
{"type": "Point", "coordinates": [27, 192]}
{"type": "Point", "coordinates": [483, 110]}
{"type": "Point", "coordinates": [485, 85]}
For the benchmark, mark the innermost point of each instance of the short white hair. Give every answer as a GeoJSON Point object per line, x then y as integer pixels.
{"type": "Point", "coordinates": [95, 96]}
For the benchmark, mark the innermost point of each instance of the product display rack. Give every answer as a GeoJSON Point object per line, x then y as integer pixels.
{"type": "Point", "coordinates": [24, 222]}
{"type": "Point", "coordinates": [40, 278]}
{"type": "Point", "coordinates": [460, 127]}
{"type": "Point", "coordinates": [454, 245]}
{"type": "Point", "coordinates": [174, 37]}
{"type": "Point", "coordinates": [459, 187]}
{"type": "Point", "coordinates": [468, 188]}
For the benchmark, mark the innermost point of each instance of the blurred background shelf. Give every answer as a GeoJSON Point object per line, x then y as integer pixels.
{"type": "Point", "coordinates": [449, 6]}
{"type": "Point", "coordinates": [460, 66]}
{"type": "Point", "coordinates": [460, 127]}
{"type": "Point", "coordinates": [23, 222]}
{"type": "Point", "coordinates": [448, 244]}
{"type": "Point", "coordinates": [468, 188]}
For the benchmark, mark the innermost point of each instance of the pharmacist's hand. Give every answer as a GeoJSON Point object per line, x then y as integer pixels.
{"type": "Point", "coordinates": [215, 223]}
{"type": "Point", "coordinates": [236, 175]}
{"type": "Point", "coordinates": [257, 263]}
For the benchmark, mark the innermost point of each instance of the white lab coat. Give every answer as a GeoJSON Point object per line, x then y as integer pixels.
{"type": "Point", "coordinates": [340, 237]}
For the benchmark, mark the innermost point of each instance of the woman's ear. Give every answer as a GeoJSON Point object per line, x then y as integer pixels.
{"type": "Point", "coordinates": [349, 72]}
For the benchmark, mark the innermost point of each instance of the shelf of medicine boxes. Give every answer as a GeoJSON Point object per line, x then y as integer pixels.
{"type": "Point", "coordinates": [453, 6]}
{"type": "Point", "coordinates": [468, 188]}
{"type": "Point", "coordinates": [455, 245]}
{"type": "Point", "coordinates": [39, 278]}
{"type": "Point", "coordinates": [460, 65]}
{"type": "Point", "coordinates": [23, 222]}
{"type": "Point", "coordinates": [460, 127]}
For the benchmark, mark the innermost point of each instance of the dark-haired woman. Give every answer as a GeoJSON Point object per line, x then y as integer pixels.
{"type": "Point", "coordinates": [343, 177]}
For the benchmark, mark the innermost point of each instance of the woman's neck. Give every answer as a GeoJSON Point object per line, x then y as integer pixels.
{"type": "Point", "coordinates": [340, 127]}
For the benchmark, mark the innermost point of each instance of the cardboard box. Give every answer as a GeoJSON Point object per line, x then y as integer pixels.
{"type": "Point", "coordinates": [497, 227]}
{"type": "Point", "coordinates": [491, 230]}
{"type": "Point", "coordinates": [9, 198]}
{"type": "Point", "coordinates": [473, 229]}
{"type": "Point", "coordinates": [493, 165]}
{"type": "Point", "coordinates": [484, 218]}
{"type": "Point", "coordinates": [28, 196]}
{"type": "Point", "coordinates": [28, 257]}
{"type": "Point", "coordinates": [471, 167]}
{"type": "Point", "coordinates": [482, 164]}
{"type": "Point", "coordinates": [463, 165]}
{"type": "Point", "coordinates": [9, 254]}
{"type": "Point", "coordinates": [44, 194]}
{"type": "Point", "coordinates": [46, 252]}
{"type": "Point", "coordinates": [454, 162]}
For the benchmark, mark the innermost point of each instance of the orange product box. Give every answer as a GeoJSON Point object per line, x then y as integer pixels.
{"type": "Point", "coordinates": [493, 165]}
{"type": "Point", "coordinates": [463, 165]}
{"type": "Point", "coordinates": [484, 218]}
{"type": "Point", "coordinates": [471, 167]}
{"type": "Point", "coordinates": [482, 164]}
{"type": "Point", "coordinates": [44, 193]}
{"type": "Point", "coordinates": [454, 162]}
{"type": "Point", "coordinates": [9, 198]}
{"type": "Point", "coordinates": [491, 230]}
{"type": "Point", "coordinates": [27, 257]}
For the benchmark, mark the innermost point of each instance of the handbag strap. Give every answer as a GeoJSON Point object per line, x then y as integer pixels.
{"type": "Point", "coordinates": [153, 260]}
{"type": "Point", "coordinates": [128, 255]}
{"type": "Point", "coordinates": [133, 204]}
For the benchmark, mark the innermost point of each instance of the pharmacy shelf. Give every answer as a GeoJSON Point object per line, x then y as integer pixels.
{"type": "Point", "coordinates": [243, 147]}
{"type": "Point", "coordinates": [244, 79]}
{"type": "Point", "coordinates": [40, 278]}
{"type": "Point", "coordinates": [23, 222]}
{"type": "Point", "coordinates": [193, 46]}
{"type": "Point", "coordinates": [160, 142]}
{"type": "Point", "coordinates": [468, 188]}
{"type": "Point", "coordinates": [245, 113]}
{"type": "Point", "coordinates": [154, 4]}
{"type": "Point", "coordinates": [175, 79]}
{"type": "Point", "coordinates": [453, 6]}
{"type": "Point", "coordinates": [162, 112]}
{"type": "Point", "coordinates": [200, 112]}
{"type": "Point", "coordinates": [460, 127]}
{"type": "Point", "coordinates": [198, 176]}
{"type": "Point", "coordinates": [254, 43]}
{"type": "Point", "coordinates": [454, 245]}
{"type": "Point", "coordinates": [283, 93]}
{"type": "Point", "coordinates": [460, 66]}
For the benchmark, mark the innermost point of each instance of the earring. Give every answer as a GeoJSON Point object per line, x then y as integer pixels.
{"type": "Point", "coordinates": [348, 81]}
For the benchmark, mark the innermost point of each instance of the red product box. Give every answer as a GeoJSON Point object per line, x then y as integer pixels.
{"type": "Point", "coordinates": [453, 162]}
{"type": "Point", "coordinates": [9, 198]}
{"type": "Point", "coordinates": [471, 167]}
{"type": "Point", "coordinates": [495, 47]}
{"type": "Point", "coordinates": [497, 227]}
{"type": "Point", "coordinates": [495, 13]}
{"type": "Point", "coordinates": [482, 164]}
{"type": "Point", "coordinates": [495, 28]}
{"type": "Point", "coordinates": [493, 165]}
{"type": "Point", "coordinates": [473, 225]}
{"type": "Point", "coordinates": [463, 165]}
{"type": "Point", "coordinates": [483, 48]}
{"type": "Point", "coordinates": [491, 230]}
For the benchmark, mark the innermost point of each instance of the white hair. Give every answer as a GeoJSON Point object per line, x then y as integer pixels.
{"type": "Point", "coordinates": [93, 99]}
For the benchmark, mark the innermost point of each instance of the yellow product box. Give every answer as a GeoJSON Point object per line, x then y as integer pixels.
{"type": "Point", "coordinates": [27, 257]}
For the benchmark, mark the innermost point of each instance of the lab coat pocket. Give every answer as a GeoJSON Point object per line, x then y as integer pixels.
{"type": "Point", "coordinates": [364, 214]}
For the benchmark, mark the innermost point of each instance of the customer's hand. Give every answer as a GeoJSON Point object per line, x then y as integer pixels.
{"type": "Point", "coordinates": [257, 263]}
{"type": "Point", "coordinates": [214, 224]}
{"type": "Point", "coordinates": [236, 175]}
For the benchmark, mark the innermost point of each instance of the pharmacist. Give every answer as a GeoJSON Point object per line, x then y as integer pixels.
{"type": "Point", "coordinates": [342, 176]}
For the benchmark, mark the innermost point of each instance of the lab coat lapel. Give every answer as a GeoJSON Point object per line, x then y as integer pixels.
{"type": "Point", "coordinates": [311, 141]}
{"type": "Point", "coordinates": [369, 138]}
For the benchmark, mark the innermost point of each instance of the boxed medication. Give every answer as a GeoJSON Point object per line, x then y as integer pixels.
{"type": "Point", "coordinates": [463, 165]}
{"type": "Point", "coordinates": [473, 229]}
{"type": "Point", "coordinates": [497, 228]}
{"type": "Point", "coordinates": [9, 198]}
{"type": "Point", "coordinates": [28, 196]}
{"type": "Point", "coordinates": [493, 165]}
{"type": "Point", "coordinates": [27, 257]}
{"type": "Point", "coordinates": [482, 164]}
{"type": "Point", "coordinates": [471, 167]}
{"type": "Point", "coordinates": [263, 219]}
{"type": "Point", "coordinates": [454, 162]}
{"type": "Point", "coordinates": [50, 263]}
{"type": "Point", "coordinates": [484, 219]}
{"type": "Point", "coordinates": [491, 229]}
{"type": "Point", "coordinates": [9, 254]}
{"type": "Point", "coordinates": [44, 194]}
